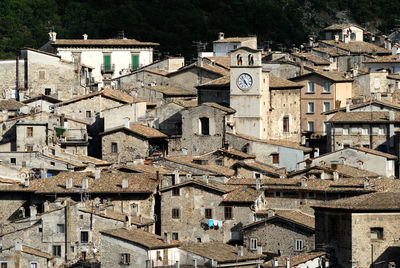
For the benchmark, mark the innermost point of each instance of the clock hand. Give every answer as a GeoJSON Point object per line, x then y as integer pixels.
{"type": "Point", "coordinates": [244, 80]}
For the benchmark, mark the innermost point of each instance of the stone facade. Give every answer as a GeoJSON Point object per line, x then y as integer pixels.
{"type": "Point", "coordinates": [168, 118]}
{"type": "Point", "coordinates": [140, 78]}
{"type": "Point", "coordinates": [8, 77]}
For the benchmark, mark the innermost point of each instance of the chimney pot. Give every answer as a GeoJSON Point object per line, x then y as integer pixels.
{"type": "Point", "coordinates": [258, 184]}
{"type": "Point", "coordinates": [85, 36]}
{"type": "Point", "coordinates": [240, 251]}
{"type": "Point", "coordinates": [166, 237]}
{"type": "Point", "coordinates": [32, 211]}
{"type": "Point", "coordinates": [221, 36]}
{"type": "Point", "coordinates": [68, 183]}
{"type": "Point", "coordinates": [85, 183]}
{"type": "Point", "coordinates": [97, 173]}
{"type": "Point", "coordinates": [124, 183]}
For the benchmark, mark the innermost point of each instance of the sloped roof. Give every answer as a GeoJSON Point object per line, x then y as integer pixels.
{"type": "Point", "coordinates": [243, 194]}
{"type": "Point", "coordinates": [276, 82]}
{"type": "Point", "coordinates": [224, 81]}
{"type": "Point", "coordinates": [357, 47]}
{"type": "Point", "coordinates": [364, 117]}
{"type": "Point", "coordinates": [260, 167]}
{"type": "Point", "coordinates": [140, 237]}
{"type": "Point", "coordinates": [330, 51]}
{"type": "Point", "coordinates": [295, 260]}
{"type": "Point", "coordinates": [138, 129]}
{"type": "Point", "coordinates": [366, 103]}
{"type": "Point", "coordinates": [379, 201]}
{"type": "Point", "coordinates": [228, 110]}
{"type": "Point", "coordinates": [375, 152]}
{"type": "Point", "coordinates": [216, 186]}
{"type": "Point", "coordinates": [101, 42]}
{"type": "Point", "coordinates": [10, 105]}
{"type": "Point", "coordinates": [384, 59]}
{"type": "Point", "coordinates": [207, 67]}
{"type": "Point", "coordinates": [224, 61]}
{"type": "Point", "coordinates": [236, 153]}
{"type": "Point", "coordinates": [221, 252]}
{"type": "Point", "coordinates": [172, 90]}
{"type": "Point", "coordinates": [314, 59]}
{"type": "Point", "coordinates": [42, 96]}
{"type": "Point", "coordinates": [336, 77]}
{"type": "Point", "coordinates": [36, 252]}
{"type": "Point", "coordinates": [295, 216]}
{"type": "Point", "coordinates": [156, 71]}
{"type": "Point", "coordinates": [342, 26]}
{"type": "Point", "coordinates": [234, 39]}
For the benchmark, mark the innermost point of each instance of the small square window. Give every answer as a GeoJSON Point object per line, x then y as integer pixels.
{"type": "Point", "coordinates": [81, 217]}
{"type": "Point", "coordinates": [42, 75]}
{"type": "Point", "coordinates": [29, 148]}
{"type": "Point", "coordinates": [176, 191]}
{"type": "Point", "coordinates": [376, 233]}
{"type": "Point", "coordinates": [88, 114]}
{"type": "Point", "coordinates": [34, 265]}
{"type": "Point", "coordinates": [228, 213]}
{"type": "Point", "coordinates": [176, 213]}
{"type": "Point", "coordinates": [219, 162]}
{"type": "Point", "coordinates": [13, 161]}
{"type": "Point", "coordinates": [311, 126]}
{"type": "Point", "coordinates": [84, 237]}
{"type": "Point", "coordinates": [125, 258]}
{"type": "Point", "coordinates": [208, 213]}
{"type": "Point", "coordinates": [3, 264]}
{"type": "Point", "coordinates": [40, 229]}
{"type": "Point", "coordinates": [57, 251]}
{"type": "Point", "coordinates": [327, 106]}
{"type": "Point", "coordinates": [52, 164]}
{"type": "Point", "coordinates": [29, 131]}
{"type": "Point", "coordinates": [60, 228]}
{"type": "Point", "coordinates": [47, 91]}
{"type": "Point", "coordinates": [299, 245]}
{"type": "Point", "coordinates": [253, 243]}
{"type": "Point", "coordinates": [275, 158]}
{"type": "Point", "coordinates": [175, 236]}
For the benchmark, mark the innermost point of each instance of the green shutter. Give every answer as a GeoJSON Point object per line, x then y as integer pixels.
{"type": "Point", "coordinates": [107, 62]}
{"type": "Point", "coordinates": [135, 62]}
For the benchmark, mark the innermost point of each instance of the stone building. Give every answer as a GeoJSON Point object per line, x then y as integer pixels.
{"type": "Point", "coordinates": [164, 94]}
{"type": "Point", "coordinates": [137, 248]}
{"type": "Point", "coordinates": [20, 256]}
{"type": "Point", "coordinates": [223, 46]}
{"type": "Point", "coordinates": [120, 115]}
{"type": "Point", "coordinates": [344, 33]}
{"type": "Point", "coordinates": [282, 233]}
{"type": "Point", "coordinates": [360, 230]}
{"type": "Point", "coordinates": [390, 63]}
{"type": "Point", "coordinates": [41, 103]}
{"type": "Point", "coordinates": [140, 78]}
{"type": "Point", "coordinates": [134, 141]}
{"type": "Point", "coordinates": [216, 91]}
{"type": "Point", "coordinates": [109, 57]}
{"type": "Point", "coordinates": [382, 164]}
{"type": "Point", "coordinates": [204, 126]}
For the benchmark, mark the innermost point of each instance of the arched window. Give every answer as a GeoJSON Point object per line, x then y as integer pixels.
{"type": "Point", "coordinates": [251, 60]}
{"type": "Point", "coordinates": [239, 59]}
{"type": "Point", "coordinates": [204, 126]}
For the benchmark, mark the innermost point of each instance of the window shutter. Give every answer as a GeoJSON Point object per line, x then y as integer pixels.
{"type": "Point", "coordinates": [135, 62]}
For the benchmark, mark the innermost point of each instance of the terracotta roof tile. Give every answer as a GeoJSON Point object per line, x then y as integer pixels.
{"type": "Point", "coordinates": [384, 59]}
{"type": "Point", "coordinates": [387, 201]}
{"type": "Point", "coordinates": [330, 51]}
{"type": "Point", "coordinates": [364, 104]}
{"type": "Point", "coordinates": [140, 237]}
{"type": "Point", "coordinates": [143, 168]}
{"type": "Point", "coordinates": [331, 75]}
{"type": "Point", "coordinates": [138, 129]}
{"type": "Point", "coordinates": [234, 39]}
{"type": "Point", "coordinates": [276, 82]}
{"type": "Point", "coordinates": [260, 167]}
{"type": "Point", "coordinates": [243, 195]}
{"type": "Point", "coordinates": [363, 117]}
{"type": "Point", "coordinates": [220, 107]}
{"type": "Point", "coordinates": [220, 252]}
{"type": "Point", "coordinates": [156, 71]}
{"type": "Point", "coordinates": [221, 61]}
{"type": "Point", "coordinates": [236, 153]}
{"type": "Point", "coordinates": [211, 68]}
{"type": "Point", "coordinates": [172, 91]}
{"type": "Point", "coordinates": [295, 260]}
{"type": "Point", "coordinates": [357, 47]}
{"type": "Point", "coordinates": [224, 81]}
{"type": "Point", "coordinates": [375, 152]}
{"type": "Point", "coordinates": [223, 188]}
{"type": "Point", "coordinates": [10, 105]}
{"type": "Point", "coordinates": [291, 215]}
{"type": "Point", "coordinates": [314, 59]}
{"type": "Point", "coordinates": [101, 42]}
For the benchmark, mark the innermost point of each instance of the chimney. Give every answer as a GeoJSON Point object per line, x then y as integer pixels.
{"type": "Point", "coordinates": [5, 115]}
{"type": "Point", "coordinates": [18, 245]}
{"type": "Point", "coordinates": [275, 263]}
{"type": "Point", "coordinates": [288, 262]}
{"type": "Point", "coordinates": [166, 238]}
{"type": "Point", "coordinates": [57, 150]}
{"type": "Point", "coordinates": [46, 206]}
{"type": "Point", "coordinates": [271, 213]}
{"type": "Point", "coordinates": [26, 182]}
{"type": "Point", "coordinates": [43, 173]}
{"type": "Point", "coordinates": [85, 36]}
{"type": "Point", "coordinates": [205, 179]}
{"type": "Point", "coordinates": [124, 183]}
{"type": "Point", "coordinates": [347, 107]}
{"type": "Point", "coordinates": [68, 183]}
{"type": "Point", "coordinates": [398, 55]}
{"type": "Point", "coordinates": [391, 115]}
{"type": "Point", "coordinates": [97, 173]}
{"type": "Point", "coordinates": [335, 176]}
{"type": "Point", "coordinates": [258, 184]}
{"type": "Point", "coordinates": [240, 251]}
{"type": "Point", "coordinates": [85, 183]}
{"type": "Point", "coordinates": [52, 36]}
{"type": "Point", "coordinates": [303, 183]}
{"type": "Point", "coordinates": [378, 96]}
{"type": "Point", "coordinates": [126, 122]}
{"type": "Point", "coordinates": [176, 176]}
{"type": "Point", "coordinates": [128, 222]}
{"type": "Point", "coordinates": [366, 183]}
{"type": "Point", "coordinates": [188, 176]}
{"type": "Point", "coordinates": [32, 211]}
{"type": "Point", "coordinates": [195, 263]}
{"type": "Point", "coordinates": [259, 249]}
{"type": "Point", "coordinates": [361, 164]}
{"type": "Point", "coordinates": [221, 36]}
{"type": "Point", "coordinates": [336, 38]}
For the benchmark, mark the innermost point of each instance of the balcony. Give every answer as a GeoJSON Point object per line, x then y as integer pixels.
{"type": "Point", "coordinates": [107, 68]}
{"type": "Point", "coordinates": [74, 136]}
{"type": "Point", "coordinates": [133, 66]}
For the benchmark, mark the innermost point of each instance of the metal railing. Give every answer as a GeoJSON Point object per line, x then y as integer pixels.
{"type": "Point", "coordinates": [107, 68]}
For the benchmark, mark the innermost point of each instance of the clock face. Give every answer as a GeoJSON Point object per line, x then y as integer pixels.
{"type": "Point", "coordinates": [245, 81]}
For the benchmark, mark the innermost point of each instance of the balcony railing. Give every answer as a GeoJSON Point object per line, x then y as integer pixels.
{"type": "Point", "coordinates": [134, 66]}
{"type": "Point", "coordinates": [107, 68]}
{"type": "Point", "coordinates": [74, 136]}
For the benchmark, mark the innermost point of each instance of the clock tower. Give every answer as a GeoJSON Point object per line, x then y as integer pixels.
{"type": "Point", "coordinates": [249, 92]}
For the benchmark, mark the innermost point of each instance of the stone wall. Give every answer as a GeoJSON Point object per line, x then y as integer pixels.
{"type": "Point", "coordinates": [129, 146]}
{"type": "Point", "coordinates": [191, 78]}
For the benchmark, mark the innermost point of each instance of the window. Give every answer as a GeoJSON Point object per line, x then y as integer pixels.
{"type": "Point", "coordinates": [228, 213]}
{"type": "Point", "coordinates": [256, 175]}
{"type": "Point", "coordinates": [60, 228]}
{"type": "Point", "coordinates": [40, 229]}
{"type": "Point", "coordinates": [42, 75]}
{"type": "Point", "coordinates": [251, 60]}
{"type": "Point", "coordinates": [208, 213]}
{"type": "Point", "coordinates": [381, 130]}
{"type": "Point", "coordinates": [57, 251]}
{"type": "Point", "coordinates": [299, 245]}
{"type": "Point", "coordinates": [29, 131]}
{"type": "Point", "coordinates": [114, 147]}
{"type": "Point", "coordinates": [219, 162]}
{"type": "Point", "coordinates": [176, 191]}
{"type": "Point", "coordinates": [286, 124]}
{"type": "Point", "coordinates": [311, 126]}
{"type": "Point", "coordinates": [327, 106]}
{"type": "Point", "coordinates": [13, 161]}
{"type": "Point", "coordinates": [125, 258]}
{"type": "Point", "coordinates": [107, 63]}
{"type": "Point", "coordinates": [135, 61]}
{"type": "Point", "coordinates": [175, 236]}
{"type": "Point", "coordinates": [29, 148]}
{"type": "Point", "coordinates": [3, 264]}
{"type": "Point", "coordinates": [310, 108]}
{"type": "Point", "coordinates": [377, 83]}
{"type": "Point", "coordinates": [346, 129]}
{"type": "Point", "coordinates": [275, 158]}
{"type": "Point", "coordinates": [53, 163]}
{"type": "Point", "coordinates": [365, 130]}
{"type": "Point", "coordinates": [204, 126]}
{"type": "Point", "coordinates": [239, 60]}
{"type": "Point", "coordinates": [376, 233]}
{"type": "Point", "coordinates": [47, 91]}
{"type": "Point", "coordinates": [88, 114]}
{"type": "Point", "coordinates": [84, 237]}
{"type": "Point", "coordinates": [176, 213]}
{"type": "Point", "coordinates": [327, 87]}
{"type": "Point", "coordinates": [311, 87]}
{"type": "Point", "coordinates": [253, 243]}
{"type": "Point", "coordinates": [34, 265]}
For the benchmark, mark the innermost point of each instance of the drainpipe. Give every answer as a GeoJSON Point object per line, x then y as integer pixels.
{"type": "Point", "coordinates": [67, 231]}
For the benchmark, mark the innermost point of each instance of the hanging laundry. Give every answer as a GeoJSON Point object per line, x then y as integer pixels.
{"type": "Point", "coordinates": [215, 222]}
{"type": "Point", "coordinates": [219, 223]}
{"type": "Point", "coordinates": [210, 223]}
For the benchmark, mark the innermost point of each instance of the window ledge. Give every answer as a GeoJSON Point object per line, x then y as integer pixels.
{"type": "Point", "coordinates": [326, 92]}
{"type": "Point", "coordinates": [310, 92]}
{"type": "Point", "coordinates": [309, 113]}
